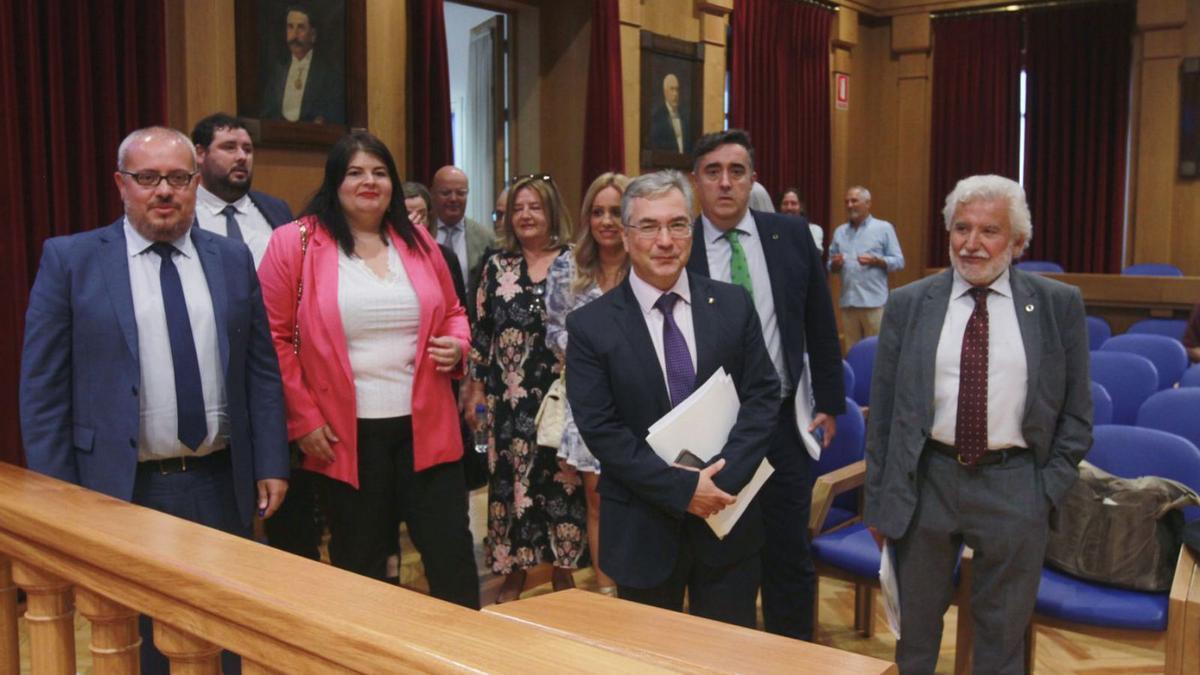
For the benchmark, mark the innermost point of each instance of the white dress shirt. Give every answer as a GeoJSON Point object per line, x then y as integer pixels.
{"type": "Point", "coordinates": [256, 231]}
{"type": "Point", "coordinates": [381, 318]}
{"type": "Point", "coordinates": [646, 296]}
{"type": "Point", "coordinates": [719, 253]}
{"type": "Point", "coordinates": [676, 125]}
{"type": "Point", "coordinates": [158, 415]}
{"type": "Point", "coordinates": [454, 237]}
{"type": "Point", "coordinates": [293, 96]}
{"type": "Point", "coordinates": [1007, 370]}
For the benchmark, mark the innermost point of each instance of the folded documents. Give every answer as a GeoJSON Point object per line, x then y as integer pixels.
{"type": "Point", "coordinates": [700, 424]}
{"type": "Point", "coordinates": [891, 591]}
{"type": "Point", "coordinates": [723, 521]}
{"type": "Point", "coordinates": [695, 432]}
{"type": "Point", "coordinates": [804, 418]}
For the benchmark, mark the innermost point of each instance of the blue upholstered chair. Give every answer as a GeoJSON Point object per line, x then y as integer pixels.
{"type": "Point", "coordinates": [861, 358]}
{"type": "Point", "coordinates": [1102, 404]}
{"type": "Point", "coordinates": [1153, 270]}
{"type": "Point", "coordinates": [1098, 332]}
{"type": "Point", "coordinates": [847, 448]}
{"type": "Point", "coordinates": [1191, 377]}
{"type": "Point", "coordinates": [1168, 355]}
{"type": "Point", "coordinates": [1130, 379]}
{"type": "Point", "coordinates": [1173, 410]}
{"type": "Point", "coordinates": [1043, 266]}
{"type": "Point", "coordinates": [1116, 613]}
{"type": "Point", "coordinates": [1172, 328]}
{"type": "Point", "coordinates": [848, 378]}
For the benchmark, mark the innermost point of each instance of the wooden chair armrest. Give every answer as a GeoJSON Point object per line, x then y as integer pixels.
{"type": "Point", "coordinates": [830, 485]}
{"type": "Point", "coordinates": [1183, 616]}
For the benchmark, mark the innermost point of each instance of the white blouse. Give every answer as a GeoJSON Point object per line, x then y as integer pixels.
{"type": "Point", "coordinates": [381, 318]}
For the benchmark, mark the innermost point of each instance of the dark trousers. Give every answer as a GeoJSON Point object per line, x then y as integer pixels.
{"type": "Point", "coordinates": [1002, 513]}
{"type": "Point", "coordinates": [364, 524]}
{"type": "Point", "coordinates": [202, 495]}
{"type": "Point", "coordinates": [720, 593]}
{"type": "Point", "coordinates": [295, 527]}
{"type": "Point", "coordinates": [788, 577]}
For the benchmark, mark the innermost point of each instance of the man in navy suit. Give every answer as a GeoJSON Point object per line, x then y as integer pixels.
{"type": "Point", "coordinates": [225, 204]}
{"type": "Point", "coordinates": [148, 372]}
{"type": "Point", "coordinates": [775, 259]}
{"type": "Point", "coordinates": [635, 353]}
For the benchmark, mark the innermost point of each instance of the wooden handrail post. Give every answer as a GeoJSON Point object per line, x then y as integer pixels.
{"type": "Point", "coordinates": [189, 655]}
{"type": "Point", "coordinates": [10, 658]}
{"type": "Point", "coordinates": [115, 640]}
{"type": "Point", "coordinates": [51, 620]}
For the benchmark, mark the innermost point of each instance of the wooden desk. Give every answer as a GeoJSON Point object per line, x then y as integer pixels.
{"type": "Point", "coordinates": [678, 641]}
{"type": "Point", "coordinates": [1122, 300]}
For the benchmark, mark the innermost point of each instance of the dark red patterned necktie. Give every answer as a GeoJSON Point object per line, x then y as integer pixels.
{"type": "Point", "coordinates": [971, 424]}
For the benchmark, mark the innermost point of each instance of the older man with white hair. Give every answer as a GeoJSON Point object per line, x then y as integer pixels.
{"type": "Point", "coordinates": [980, 411]}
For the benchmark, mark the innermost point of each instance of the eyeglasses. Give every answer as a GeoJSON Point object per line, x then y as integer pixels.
{"type": "Point", "coordinates": [680, 230]}
{"type": "Point", "coordinates": [150, 179]}
{"type": "Point", "coordinates": [537, 176]}
{"type": "Point", "coordinates": [497, 216]}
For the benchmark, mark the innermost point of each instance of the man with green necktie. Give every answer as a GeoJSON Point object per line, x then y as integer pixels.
{"type": "Point", "coordinates": [780, 267]}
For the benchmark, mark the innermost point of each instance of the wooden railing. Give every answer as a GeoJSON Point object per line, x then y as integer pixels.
{"type": "Point", "coordinates": [70, 548]}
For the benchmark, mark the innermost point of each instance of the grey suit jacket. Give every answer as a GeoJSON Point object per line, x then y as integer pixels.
{"type": "Point", "coordinates": [1057, 424]}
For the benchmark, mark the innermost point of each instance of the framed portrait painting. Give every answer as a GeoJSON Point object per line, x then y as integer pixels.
{"type": "Point", "coordinates": [672, 100]}
{"type": "Point", "coordinates": [301, 70]}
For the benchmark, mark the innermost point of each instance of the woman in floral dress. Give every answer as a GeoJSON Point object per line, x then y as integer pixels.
{"type": "Point", "coordinates": [536, 511]}
{"type": "Point", "coordinates": [597, 264]}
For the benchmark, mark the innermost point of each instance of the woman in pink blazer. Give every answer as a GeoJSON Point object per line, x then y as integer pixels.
{"type": "Point", "coordinates": [380, 334]}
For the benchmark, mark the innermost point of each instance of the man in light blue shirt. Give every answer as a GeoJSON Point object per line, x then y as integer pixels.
{"type": "Point", "coordinates": [863, 251]}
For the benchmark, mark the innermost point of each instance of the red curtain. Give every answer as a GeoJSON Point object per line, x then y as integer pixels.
{"type": "Point", "coordinates": [976, 109]}
{"type": "Point", "coordinates": [1078, 62]}
{"type": "Point", "coordinates": [779, 92]}
{"type": "Point", "coordinates": [74, 82]}
{"type": "Point", "coordinates": [604, 121]}
{"type": "Point", "coordinates": [431, 143]}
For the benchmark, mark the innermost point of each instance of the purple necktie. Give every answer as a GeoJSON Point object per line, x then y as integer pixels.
{"type": "Point", "coordinates": [971, 424]}
{"type": "Point", "coordinates": [681, 375]}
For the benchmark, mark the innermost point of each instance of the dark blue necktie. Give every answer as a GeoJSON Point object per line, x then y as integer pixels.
{"type": "Point", "coordinates": [681, 375]}
{"type": "Point", "coordinates": [189, 394]}
{"type": "Point", "coordinates": [231, 225]}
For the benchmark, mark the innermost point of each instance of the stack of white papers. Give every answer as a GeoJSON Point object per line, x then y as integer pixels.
{"type": "Point", "coordinates": [700, 426]}
{"type": "Point", "coordinates": [804, 416]}
{"type": "Point", "coordinates": [891, 589]}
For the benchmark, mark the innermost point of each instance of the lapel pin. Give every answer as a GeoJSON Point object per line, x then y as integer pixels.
{"type": "Point", "coordinates": [1028, 308]}
{"type": "Point", "coordinates": [775, 236]}
{"type": "Point", "coordinates": [711, 301]}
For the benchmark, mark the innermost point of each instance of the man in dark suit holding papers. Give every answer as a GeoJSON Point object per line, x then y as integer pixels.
{"type": "Point", "coordinates": [637, 352]}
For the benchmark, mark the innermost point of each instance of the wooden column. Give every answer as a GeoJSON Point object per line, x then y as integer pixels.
{"type": "Point", "coordinates": [714, 21]}
{"type": "Point", "coordinates": [51, 620]}
{"type": "Point", "coordinates": [115, 640]}
{"type": "Point", "coordinates": [845, 39]}
{"type": "Point", "coordinates": [911, 42]}
{"type": "Point", "coordinates": [630, 12]}
{"type": "Point", "coordinates": [10, 658]}
{"type": "Point", "coordinates": [1155, 236]}
{"type": "Point", "coordinates": [189, 655]}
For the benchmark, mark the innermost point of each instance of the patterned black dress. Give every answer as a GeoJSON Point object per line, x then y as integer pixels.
{"type": "Point", "coordinates": [536, 510]}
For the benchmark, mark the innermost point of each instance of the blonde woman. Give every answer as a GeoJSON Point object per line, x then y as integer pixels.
{"type": "Point", "coordinates": [535, 505]}
{"type": "Point", "coordinates": [598, 263]}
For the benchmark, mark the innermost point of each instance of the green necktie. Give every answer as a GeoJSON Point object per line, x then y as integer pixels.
{"type": "Point", "coordinates": [739, 269]}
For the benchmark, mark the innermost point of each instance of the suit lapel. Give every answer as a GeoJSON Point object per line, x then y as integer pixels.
{"type": "Point", "coordinates": [778, 263]}
{"type": "Point", "coordinates": [698, 263]}
{"type": "Point", "coordinates": [928, 334]}
{"type": "Point", "coordinates": [704, 321]}
{"type": "Point", "coordinates": [324, 252]}
{"type": "Point", "coordinates": [115, 259]}
{"type": "Point", "coordinates": [1028, 318]}
{"type": "Point", "coordinates": [214, 273]}
{"type": "Point", "coordinates": [629, 316]}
